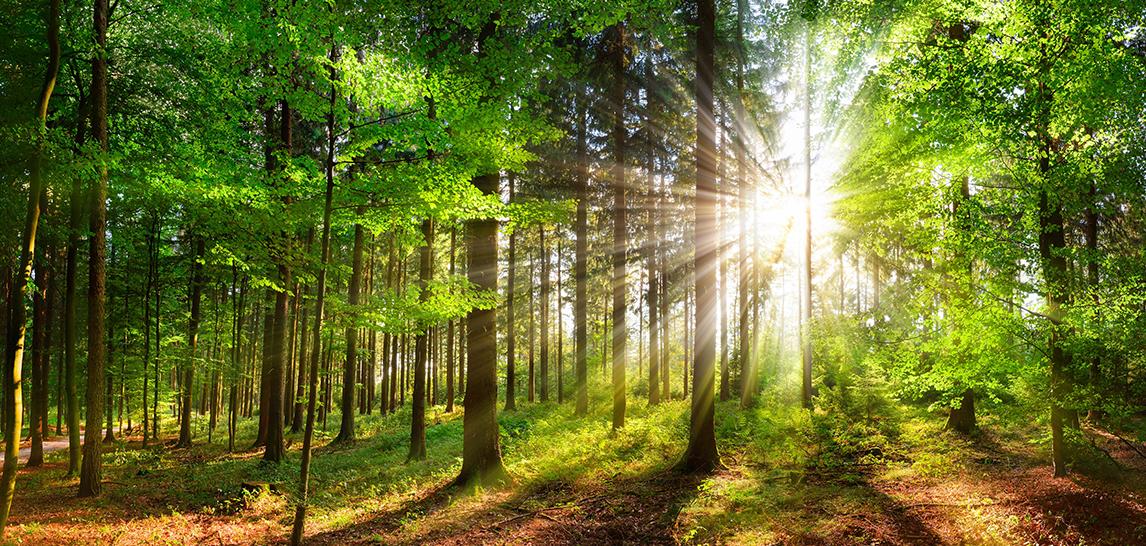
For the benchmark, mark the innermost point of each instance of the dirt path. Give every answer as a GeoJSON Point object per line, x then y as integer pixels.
{"type": "Point", "coordinates": [55, 444]}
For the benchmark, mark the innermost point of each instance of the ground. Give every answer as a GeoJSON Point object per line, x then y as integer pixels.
{"type": "Point", "coordinates": [578, 482]}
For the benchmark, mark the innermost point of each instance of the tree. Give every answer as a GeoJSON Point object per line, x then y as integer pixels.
{"type": "Point", "coordinates": [91, 471]}
{"type": "Point", "coordinates": [14, 359]}
{"type": "Point", "coordinates": [197, 245]}
{"type": "Point", "coordinates": [421, 350]}
{"type": "Point", "coordinates": [346, 430]}
{"type": "Point", "coordinates": [618, 62]}
{"type": "Point", "coordinates": [701, 454]}
{"type": "Point", "coordinates": [510, 331]}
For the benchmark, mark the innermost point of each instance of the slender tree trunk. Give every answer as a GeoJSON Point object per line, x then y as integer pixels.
{"type": "Point", "coordinates": [91, 468]}
{"type": "Point", "coordinates": [560, 334]}
{"type": "Point", "coordinates": [346, 431]}
{"type": "Point", "coordinates": [701, 455]}
{"type": "Point", "coordinates": [620, 223]}
{"type": "Point", "coordinates": [147, 325]}
{"type": "Point", "coordinates": [75, 225]}
{"type": "Point", "coordinates": [532, 376]}
{"type": "Point", "coordinates": [1092, 259]}
{"type": "Point", "coordinates": [450, 330]}
{"type": "Point", "coordinates": [510, 330]}
{"type": "Point", "coordinates": [39, 369]}
{"type": "Point", "coordinates": [421, 349]}
{"type": "Point", "coordinates": [806, 322]}
{"type": "Point", "coordinates": [545, 288]}
{"type": "Point", "coordinates": [299, 524]}
{"type": "Point", "coordinates": [580, 260]}
{"type": "Point", "coordinates": [192, 341]}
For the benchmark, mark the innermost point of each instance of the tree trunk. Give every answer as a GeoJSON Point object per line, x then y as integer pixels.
{"type": "Point", "coordinates": [806, 323]}
{"type": "Point", "coordinates": [580, 259]}
{"type": "Point", "coordinates": [560, 334]}
{"type": "Point", "coordinates": [71, 268]}
{"type": "Point", "coordinates": [545, 287]}
{"type": "Point", "coordinates": [481, 453]}
{"type": "Point", "coordinates": [701, 455]}
{"type": "Point", "coordinates": [421, 349]}
{"type": "Point", "coordinates": [192, 341]}
{"type": "Point", "coordinates": [1092, 259]}
{"type": "Point", "coordinates": [510, 331]}
{"type": "Point", "coordinates": [346, 430]}
{"type": "Point", "coordinates": [532, 278]}
{"type": "Point", "coordinates": [299, 523]}
{"type": "Point", "coordinates": [91, 468]}
{"type": "Point", "coordinates": [620, 225]}
{"type": "Point", "coordinates": [37, 419]}
{"type": "Point", "coordinates": [450, 330]}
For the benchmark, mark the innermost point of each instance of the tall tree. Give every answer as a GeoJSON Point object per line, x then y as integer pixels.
{"type": "Point", "coordinates": [510, 331]}
{"type": "Point", "coordinates": [188, 373]}
{"type": "Point", "coordinates": [543, 249]}
{"type": "Point", "coordinates": [701, 455]}
{"type": "Point", "coordinates": [14, 359]}
{"type": "Point", "coordinates": [421, 349]}
{"type": "Point", "coordinates": [346, 430]}
{"type": "Point", "coordinates": [619, 61]}
{"type": "Point", "coordinates": [91, 468]}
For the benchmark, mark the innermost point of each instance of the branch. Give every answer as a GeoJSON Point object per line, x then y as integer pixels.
{"type": "Point", "coordinates": [380, 120]}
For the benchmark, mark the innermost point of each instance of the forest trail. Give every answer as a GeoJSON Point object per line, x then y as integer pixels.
{"type": "Point", "coordinates": [51, 444]}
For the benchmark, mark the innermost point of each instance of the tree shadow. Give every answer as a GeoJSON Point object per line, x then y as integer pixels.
{"type": "Point", "coordinates": [640, 509]}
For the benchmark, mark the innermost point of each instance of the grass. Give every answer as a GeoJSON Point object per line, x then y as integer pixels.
{"type": "Point", "coordinates": [790, 476]}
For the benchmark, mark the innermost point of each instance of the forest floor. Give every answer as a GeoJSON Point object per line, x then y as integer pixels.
{"type": "Point", "coordinates": [578, 482]}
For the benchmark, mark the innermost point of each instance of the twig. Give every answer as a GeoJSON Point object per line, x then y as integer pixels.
{"type": "Point", "coordinates": [540, 512]}
{"type": "Point", "coordinates": [1129, 443]}
{"type": "Point", "coordinates": [1104, 452]}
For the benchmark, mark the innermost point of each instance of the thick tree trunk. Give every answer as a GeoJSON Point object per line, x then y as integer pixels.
{"type": "Point", "coordinates": [91, 468]}
{"type": "Point", "coordinates": [481, 452]}
{"type": "Point", "coordinates": [962, 418]}
{"type": "Point", "coordinates": [701, 455]}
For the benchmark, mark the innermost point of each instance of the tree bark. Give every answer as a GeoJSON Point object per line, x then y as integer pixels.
{"type": "Point", "coordinates": [481, 452]}
{"type": "Point", "coordinates": [450, 329]}
{"type": "Point", "coordinates": [421, 349]}
{"type": "Point", "coordinates": [580, 260]}
{"type": "Point", "coordinates": [620, 223]}
{"type": "Point", "coordinates": [510, 330]}
{"type": "Point", "coordinates": [545, 288]}
{"type": "Point", "coordinates": [346, 430]}
{"type": "Point", "coordinates": [806, 323]}
{"type": "Point", "coordinates": [91, 468]}
{"type": "Point", "coordinates": [701, 455]}
{"type": "Point", "coordinates": [192, 341]}
{"type": "Point", "coordinates": [299, 523]}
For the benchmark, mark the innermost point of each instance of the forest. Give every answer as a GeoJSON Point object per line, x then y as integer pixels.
{"type": "Point", "coordinates": [573, 272]}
